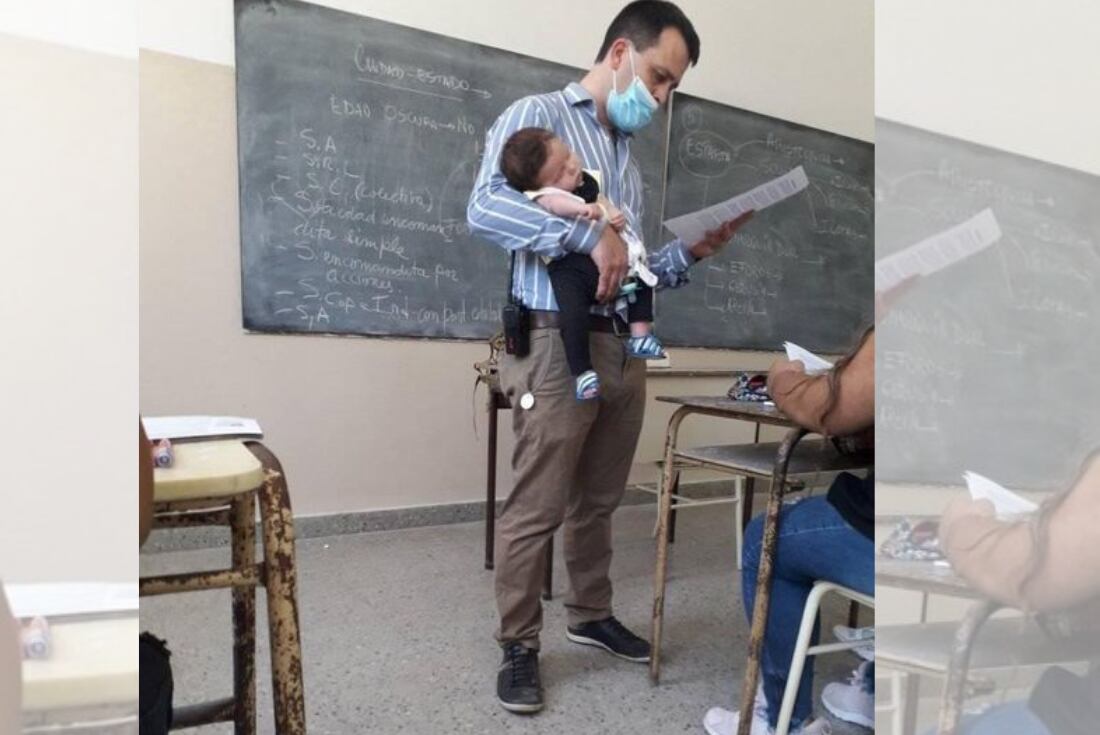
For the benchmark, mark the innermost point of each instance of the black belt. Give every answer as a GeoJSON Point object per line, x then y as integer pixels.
{"type": "Point", "coordinates": [541, 319]}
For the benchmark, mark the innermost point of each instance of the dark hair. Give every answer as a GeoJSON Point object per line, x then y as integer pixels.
{"type": "Point", "coordinates": [642, 22]}
{"type": "Point", "coordinates": [523, 157]}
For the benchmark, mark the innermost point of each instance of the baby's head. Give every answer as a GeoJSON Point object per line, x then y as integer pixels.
{"type": "Point", "coordinates": [534, 157]}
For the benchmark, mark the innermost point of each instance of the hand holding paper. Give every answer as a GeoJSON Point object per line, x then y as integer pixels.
{"type": "Point", "coordinates": [1005, 502]}
{"type": "Point", "coordinates": [814, 364]}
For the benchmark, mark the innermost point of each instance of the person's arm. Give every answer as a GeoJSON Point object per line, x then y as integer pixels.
{"type": "Point", "coordinates": [672, 262]}
{"type": "Point", "coordinates": [615, 216]}
{"type": "Point", "coordinates": [804, 398]}
{"type": "Point", "coordinates": [564, 205]}
{"type": "Point", "coordinates": [145, 485]}
{"type": "Point", "coordinates": [504, 216]}
{"type": "Point", "coordinates": [995, 555]}
{"type": "Point", "coordinates": [11, 670]}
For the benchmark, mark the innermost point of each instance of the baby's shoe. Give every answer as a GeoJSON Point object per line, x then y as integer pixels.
{"type": "Point", "coordinates": [588, 386]}
{"type": "Point", "coordinates": [645, 348]}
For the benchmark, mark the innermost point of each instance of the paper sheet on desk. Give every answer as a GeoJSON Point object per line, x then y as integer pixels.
{"type": "Point", "coordinates": [193, 427]}
{"type": "Point", "coordinates": [1005, 502]}
{"type": "Point", "coordinates": [693, 226]}
{"type": "Point", "coordinates": [76, 598]}
{"type": "Point", "coordinates": [939, 251]}
{"type": "Point", "coordinates": [814, 364]}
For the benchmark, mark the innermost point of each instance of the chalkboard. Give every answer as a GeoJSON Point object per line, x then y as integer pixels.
{"type": "Point", "coordinates": [991, 364]}
{"type": "Point", "coordinates": [359, 141]}
{"type": "Point", "coordinates": [801, 270]}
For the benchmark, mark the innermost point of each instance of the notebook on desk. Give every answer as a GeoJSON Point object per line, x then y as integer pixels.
{"type": "Point", "coordinates": [200, 427]}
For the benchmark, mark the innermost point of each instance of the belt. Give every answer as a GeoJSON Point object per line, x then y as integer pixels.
{"type": "Point", "coordinates": [541, 319]}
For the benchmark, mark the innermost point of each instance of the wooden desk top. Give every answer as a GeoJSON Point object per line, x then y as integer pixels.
{"type": "Point", "coordinates": [208, 469]}
{"type": "Point", "coordinates": [810, 457]}
{"type": "Point", "coordinates": [729, 408]}
{"type": "Point", "coordinates": [922, 576]}
{"type": "Point", "coordinates": [92, 663]}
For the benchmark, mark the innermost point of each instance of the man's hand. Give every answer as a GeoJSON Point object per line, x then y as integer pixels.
{"type": "Point", "coordinates": [716, 239]}
{"type": "Point", "coordinates": [609, 255]}
{"type": "Point", "coordinates": [778, 372]}
{"type": "Point", "coordinates": [618, 221]}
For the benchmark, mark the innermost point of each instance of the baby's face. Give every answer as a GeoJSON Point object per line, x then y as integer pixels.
{"type": "Point", "coordinates": [562, 169]}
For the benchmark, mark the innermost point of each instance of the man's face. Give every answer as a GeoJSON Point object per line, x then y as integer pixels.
{"type": "Point", "coordinates": [660, 67]}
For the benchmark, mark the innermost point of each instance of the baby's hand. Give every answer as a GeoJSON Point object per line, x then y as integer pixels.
{"type": "Point", "coordinates": [593, 212]}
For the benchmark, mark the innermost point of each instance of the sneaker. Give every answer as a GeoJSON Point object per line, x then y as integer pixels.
{"type": "Point", "coordinates": [645, 348]}
{"type": "Point", "coordinates": [846, 634]}
{"type": "Point", "coordinates": [611, 636]}
{"type": "Point", "coordinates": [518, 688]}
{"type": "Point", "coordinates": [588, 386]}
{"type": "Point", "coordinates": [850, 701]}
{"type": "Point", "coordinates": [720, 721]}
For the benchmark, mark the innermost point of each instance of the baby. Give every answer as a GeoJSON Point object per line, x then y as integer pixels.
{"type": "Point", "coordinates": [541, 165]}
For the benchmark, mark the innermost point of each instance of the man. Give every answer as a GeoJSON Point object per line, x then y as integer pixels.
{"type": "Point", "coordinates": [572, 457]}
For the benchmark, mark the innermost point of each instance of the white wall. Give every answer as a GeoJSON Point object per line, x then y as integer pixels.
{"type": "Point", "coordinates": [1018, 75]}
{"type": "Point", "coordinates": [68, 371]}
{"type": "Point", "coordinates": [368, 423]}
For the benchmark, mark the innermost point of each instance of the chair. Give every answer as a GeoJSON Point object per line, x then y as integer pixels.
{"type": "Point", "coordinates": [803, 649]}
{"type": "Point", "coordinates": [218, 483]}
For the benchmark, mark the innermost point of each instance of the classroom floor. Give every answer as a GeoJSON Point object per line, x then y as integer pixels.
{"type": "Point", "coordinates": [397, 635]}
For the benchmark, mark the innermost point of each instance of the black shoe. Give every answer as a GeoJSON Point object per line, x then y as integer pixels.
{"type": "Point", "coordinates": [518, 686]}
{"type": "Point", "coordinates": [612, 636]}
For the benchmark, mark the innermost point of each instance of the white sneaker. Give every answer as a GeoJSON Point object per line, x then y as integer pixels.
{"type": "Point", "coordinates": [851, 702]}
{"type": "Point", "coordinates": [720, 721]}
{"type": "Point", "coordinates": [846, 634]}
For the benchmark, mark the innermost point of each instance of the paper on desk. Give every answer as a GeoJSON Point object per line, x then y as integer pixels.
{"type": "Point", "coordinates": [1005, 502]}
{"type": "Point", "coordinates": [75, 598]}
{"type": "Point", "coordinates": [191, 427]}
{"type": "Point", "coordinates": [814, 364]}
{"type": "Point", "coordinates": [939, 251]}
{"type": "Point", "coordinates": [693, 226]}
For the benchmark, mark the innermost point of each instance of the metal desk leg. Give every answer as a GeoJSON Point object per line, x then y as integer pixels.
{"type": "Point", "coordinates": [491, 480]}
{"type": "Point", "coordinates": [243, 513]}
{"type": "Point", "coordinates": [750, 488]}
{"type": "Point", "coordinates": [281, 581]}
{"type": "Point", "coordinates": [764, 578]}
{"type": "Point", "coordinates": [661, 570]}
{"type": "Point", "coordinates": [954, 689]}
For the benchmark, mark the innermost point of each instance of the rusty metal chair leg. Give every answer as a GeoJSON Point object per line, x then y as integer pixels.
{"type": "Point", "coordinates": [764, 578]}
{"type": "Point", "coordinates": [243, 529]}
{"type": "Point", "coordinates": [660, 574]}
{"type": "Point", "coordinates": [280, 577]}
{"type": "Point", "coordinates": [954, 689]}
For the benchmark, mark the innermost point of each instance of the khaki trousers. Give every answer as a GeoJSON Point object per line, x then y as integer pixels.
{"type": "Point", "coordinates": [570, 466]}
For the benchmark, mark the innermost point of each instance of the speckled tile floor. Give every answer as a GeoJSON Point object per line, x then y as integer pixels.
{"type": "Point", "coordinates": [397, 635]}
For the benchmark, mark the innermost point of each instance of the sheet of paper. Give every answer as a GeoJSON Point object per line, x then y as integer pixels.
{"type": "Point", "coordinates": [814, 364]}
{"type": "Point", "coordinates": [692, 226]}
{"type": "Point", "coordinates": [76, 598]}
{"type": "Point", "coordinates": [939, 251]}
{"type": "Point", "coordinates": [189, 427]}
{"type": "Point", "coordinates": [1005, 502]}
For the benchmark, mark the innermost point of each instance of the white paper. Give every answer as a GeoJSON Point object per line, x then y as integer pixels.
{"type": "Point", "coordinates": [1005, 502]}
{"type": "Point", "coordinates": [814, 364]}
{"type": "Point", "coordinates": [189, 427]}
{"type": "Point", "coordinates": [939, 251]}
{"type": "Point", "coordinates": [76, 598]}
{"type": "Point", "coordinates": [693, 226]}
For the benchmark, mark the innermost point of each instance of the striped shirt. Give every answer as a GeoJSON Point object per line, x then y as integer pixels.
{"type": "Point", "coordinates": [506, 217]}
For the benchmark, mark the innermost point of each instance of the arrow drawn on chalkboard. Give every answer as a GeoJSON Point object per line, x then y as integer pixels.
{"type": "Point", "coordinates": [407, 89]}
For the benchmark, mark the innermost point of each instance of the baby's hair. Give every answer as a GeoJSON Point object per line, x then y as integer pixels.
{"type": "Point", "coordinates": [523, 157]}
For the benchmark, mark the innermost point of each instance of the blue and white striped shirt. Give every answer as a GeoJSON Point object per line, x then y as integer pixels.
{"type": "Point", "coordinates": [508, 218]}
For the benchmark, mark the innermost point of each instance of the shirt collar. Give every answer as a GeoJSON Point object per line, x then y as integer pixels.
{"type": "Point", "coordinates": [579, 96]}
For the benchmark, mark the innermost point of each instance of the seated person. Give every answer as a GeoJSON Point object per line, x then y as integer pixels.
{"type": "Point", "coordinates": [820, 538]}
{"type": "Point", "coordinates": [537, 162]}
{"type": "Point", "coordinates": [1049, 563]}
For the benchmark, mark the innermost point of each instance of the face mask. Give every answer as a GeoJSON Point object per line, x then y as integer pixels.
{"type": "Point", "coordinates": [633, 108]}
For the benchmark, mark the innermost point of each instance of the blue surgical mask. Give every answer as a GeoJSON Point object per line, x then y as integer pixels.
{"type": "Point", "coordinates": [633, 108]}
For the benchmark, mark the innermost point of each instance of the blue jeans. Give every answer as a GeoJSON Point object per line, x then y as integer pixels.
{"type": "Point", "coordinates": [1011, 718]}
{"type": "Point", "coordinates": [815, 544]}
